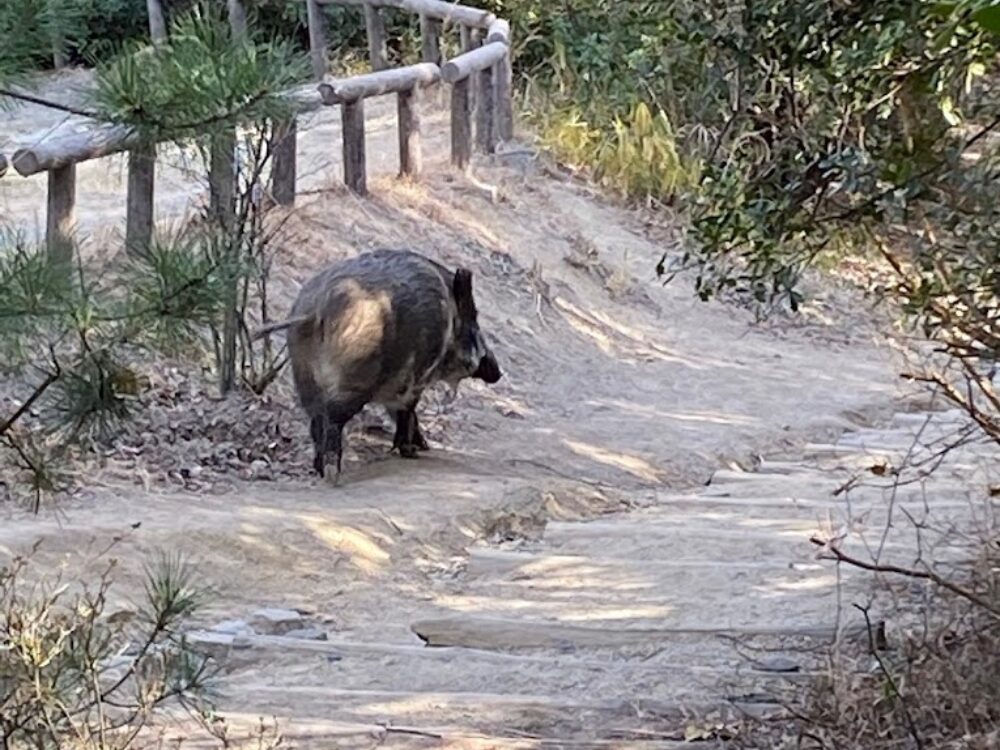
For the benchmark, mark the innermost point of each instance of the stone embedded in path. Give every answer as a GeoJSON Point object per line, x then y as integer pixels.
{"type": "Point", "coordinates": [216, 645]}
{"type": "Point", "coordinates": [307, 634]}
{"type": "Point", "coordinates": [777, 664]}
{"type": "Point", "coordinates": [234, 627]}
{"type": "Point", "coordinates": [273, 621]}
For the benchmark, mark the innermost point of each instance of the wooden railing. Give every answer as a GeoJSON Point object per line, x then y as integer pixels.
{"type": "Point", "coordinates": [481, 105]}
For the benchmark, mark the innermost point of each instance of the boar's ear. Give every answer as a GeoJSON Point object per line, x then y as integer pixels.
{"type": "Point", "coordinates": [462, 289]}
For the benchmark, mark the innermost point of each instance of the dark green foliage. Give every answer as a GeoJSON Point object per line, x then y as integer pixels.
{"type": "Point", "coordinates": [94, 395]}
{"type": "Point", "coordinates": [620, 50]}
{"type": "Point", "coordinates": [31, 31]}
{"type": "Point", "coordinates": [95, 30]}
{"type": "Point", "coordinates": [201, 81]}
{"type": "Point", "coordinates": [177, 287]}
{"type": "Point", "coordinates": [63, 328]}
{"type": "Point", "coordinates": [277, 19]}
{"type": "Point", "coordinates": [837, 108]}
{"type": "Point", "coordinates": [105, 25]}
{"type": "Point", "coordinates": [33, 293]}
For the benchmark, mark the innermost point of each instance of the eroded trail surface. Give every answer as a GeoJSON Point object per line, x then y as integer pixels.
{"type": "Point", "coordinates": [546, 574]}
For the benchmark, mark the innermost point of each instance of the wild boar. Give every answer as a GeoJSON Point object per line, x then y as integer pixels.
{"type": "Point", "coordinates": [380, 328]}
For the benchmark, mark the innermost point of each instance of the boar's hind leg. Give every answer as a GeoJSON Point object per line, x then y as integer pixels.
{"type": "Point", "coordinates": [328, 431]}
{"type": "Point", "coordinates": [408, 437]}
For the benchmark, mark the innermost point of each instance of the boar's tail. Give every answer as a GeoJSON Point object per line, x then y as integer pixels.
{"type": "Point", "coordinates": [279, 326]}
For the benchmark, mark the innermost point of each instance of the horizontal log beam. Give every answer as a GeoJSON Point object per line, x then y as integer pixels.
{"type": "Point", "coordinates": [60, 151]}
{"type": "Point", "coordinates": [304, 99]}
{"type": "Point", "coordinates": [469, 631]}
{"type": "Point", "coordinates": [478, 59]}
{"type": "Point", "coordinates": [439, 9]}
{"type": "Point", "coordinates": [392, 81]}
{"type": "Point", "coordinates": [499, 31]}
{"type": "Point", "coordinates": [103, 140]}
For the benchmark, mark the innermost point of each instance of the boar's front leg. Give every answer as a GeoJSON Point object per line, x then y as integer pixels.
{"type": "Point", "coordinates": [318, 429]}
{"type": "Point", "coordinates": [408, 437]}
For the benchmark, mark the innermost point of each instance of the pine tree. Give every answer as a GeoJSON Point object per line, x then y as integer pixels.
{"type": "Point", "coordinates": [67, 336]}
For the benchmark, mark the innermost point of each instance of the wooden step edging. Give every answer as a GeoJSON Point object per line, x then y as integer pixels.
{"type": "Point", "coordinates": [496, 633]}
{"type": "Point", "coordinates": [223, 644]}
{"type": "Point", "coordinates": [513, 702]}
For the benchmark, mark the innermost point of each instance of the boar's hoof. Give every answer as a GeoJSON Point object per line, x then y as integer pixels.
{"type": "Point", "coordinates": [408, 439]}
{"type": "Point", "coordinates": [419, 441]}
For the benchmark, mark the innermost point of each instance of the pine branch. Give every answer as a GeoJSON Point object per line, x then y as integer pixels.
{"type": "Point", "coordinates": [39, 391]}
{"type": "Point", "coordinates": [42, 102]}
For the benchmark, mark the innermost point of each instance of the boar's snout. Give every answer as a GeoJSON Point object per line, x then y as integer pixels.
{"type": "Point", "coordinates": [488, 370]}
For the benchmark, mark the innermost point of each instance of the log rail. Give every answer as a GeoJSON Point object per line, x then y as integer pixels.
{"type": "Point", "coordinates": [481, 111]}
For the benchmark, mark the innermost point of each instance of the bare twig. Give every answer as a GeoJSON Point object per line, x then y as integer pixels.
{"type": "Point", "coordinates": [926, 575]}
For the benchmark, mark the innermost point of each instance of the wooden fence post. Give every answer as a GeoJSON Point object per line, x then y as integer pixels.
{"type": "Point", "coordinates": [471, 39]}
{"type": "Point", "coordinates": [237, 17]}
{"type": "Point", "coordinates": [284, 138]}
{"type": "Point", "coordinates": [222, 159]}
{"type": "Point", "coordinates": [464, 73]}
{"type": "Point", "coordinates": [222, 177]}
{"type": "Point", "coordinates": [61, 208]}
{"type": "Point", "coordinates": [284, 169]}
{"type": "Point", "coordinates": [375, 27]}
{"type": "Point", "coordinates": [222, 181]}
{"type": "Point", "coordinates": [140, 199]}
{"type": "Point", "coordinates": [317, 38]}
{"type": "Point", "coordinates": [430, 39]}
{"type": "Point", "coordinates": [503, 94]}
{"type": "Point", "coordinates": [157, 24]}
{"type": "Point", "coordinates": [485, 137]}
{"type": "Point", "coordinates": [58, 44]}
{"type": "Point", "coordinates": [141, 196]}
{"type": "Point", "coordinates": [355, 174]}
{"type": "Point", "coordinates": [408, 115]}
{"type": "Point", "coordinates": [461, 125]}
{"type": "Point", "coordinates": [430, 48]}
{"type": "Point", "coordinates": [61, 214]}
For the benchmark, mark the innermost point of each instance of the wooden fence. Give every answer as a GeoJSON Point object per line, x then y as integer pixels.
{"type": "Point", "coordinates": [481, 114]}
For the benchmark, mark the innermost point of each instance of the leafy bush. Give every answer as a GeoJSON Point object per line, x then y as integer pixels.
{"type": "Point", "coordinates": [804, 124]}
